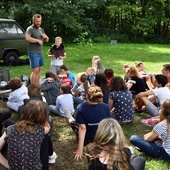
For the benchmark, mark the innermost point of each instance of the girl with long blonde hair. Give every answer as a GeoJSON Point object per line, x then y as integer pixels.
{"type": "Point", "coordinates": [110, 150]}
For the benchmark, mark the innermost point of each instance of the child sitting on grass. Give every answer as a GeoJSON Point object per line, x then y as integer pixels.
{"type": "Point", "coordinates": [69, 73]}
{"type": "Point", "coordinates": [64, 100]}
{"type": "Point", "coordinates": [101, 81]}
{"type": "Point", "coordinates": [19, 92]}
{"type": "Point", "coordinates": [26, 139]}
{"type": "Point", "coordinates": [50, 87]}
{"type": "Point", "coordinates": [90, 75]}
{"type": "Point", "coordinates": [62, 75]}
{"type": "Point", "coordinates": [156, 143]}
{"type": "Point", "coordinates": [136, 83]}
{"type": "Point", "coordinates": [109, 74]}
{"type": "Point", "coordinates": [97, 64]}
{"type": "Point", "coordinates": [110, 150]}
{"type": "Point", "coordinates": [79, 95]}
{"type": "Point", "coordinates": [147, 77]}
{"type": "Point", "coordinates": [88, 116]}
{"type": "Point", "coordinates": [153, 99]}
{"type": "Point", "coordinates": [120, 101]}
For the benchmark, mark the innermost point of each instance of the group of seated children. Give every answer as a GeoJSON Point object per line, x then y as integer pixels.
{"type": "Point", "coordinates": [98, 95]}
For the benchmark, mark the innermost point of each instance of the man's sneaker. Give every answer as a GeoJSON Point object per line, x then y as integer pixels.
{"type": "Point", "coordinates": [68, 115]}
{"type": "Point", "coordinates": [52, 158]}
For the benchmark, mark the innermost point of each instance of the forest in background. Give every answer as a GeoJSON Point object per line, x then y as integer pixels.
{"type": "Point", "coordinates": [136, 21]}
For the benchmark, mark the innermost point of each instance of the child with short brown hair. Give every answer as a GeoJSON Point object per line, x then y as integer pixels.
{"type": "Point", "coordinates": [64, 100]}
{"type": "Point", "coordinates": [19, 92]}
{"type": "Point", "coordinates": [51, 87]}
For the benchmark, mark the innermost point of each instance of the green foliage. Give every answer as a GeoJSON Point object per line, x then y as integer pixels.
{"type": "Point", "coordinates": [135, 20]}
{"type": "Point", "coordinates": [83, 42]}
{"type": "Point", "coordinates": [83, 39]}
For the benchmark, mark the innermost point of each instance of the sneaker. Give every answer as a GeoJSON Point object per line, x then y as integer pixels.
{"type": "Point", "coordinates": [52, 158]}
{"type": "Point", "coordinates": [68, 115]}
{"type": "Point", "coordinates": [131, 150]}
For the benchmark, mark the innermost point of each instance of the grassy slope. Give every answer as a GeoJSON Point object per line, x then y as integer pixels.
{"type": "Point", "coordinates": [113, 56]}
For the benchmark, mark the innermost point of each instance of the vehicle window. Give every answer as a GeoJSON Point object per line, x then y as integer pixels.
{"type": "Point", "coordinates": [10, 28]}
{"type": "Point", "coordinates": [2, 30]}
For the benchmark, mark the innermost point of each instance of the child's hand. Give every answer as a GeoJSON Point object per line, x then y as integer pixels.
{"type": "Point", "coordinates": [61, 57]}
{"type": "Point", "coordinates": [51, 55]}
{"type": "Point", "coordinates": [78, 154]}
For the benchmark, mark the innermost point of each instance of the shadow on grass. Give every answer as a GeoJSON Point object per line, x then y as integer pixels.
{"type": "Point", "coordinates": [65, 143]}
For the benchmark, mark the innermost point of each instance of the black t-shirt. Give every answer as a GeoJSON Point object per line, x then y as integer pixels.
{"type": "Point", "coordinates": [135, 162]}
{"type": "Point", "coordinates": [95, 164]}
{"type": "Point", "coordinates": [138, 85]}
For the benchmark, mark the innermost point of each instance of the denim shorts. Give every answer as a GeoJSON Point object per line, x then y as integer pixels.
{"type": "Point", "coordinates": [36, 60]}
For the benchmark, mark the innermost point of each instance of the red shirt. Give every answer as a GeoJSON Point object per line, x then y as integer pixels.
{"type": "Point", "coordinates": [67, 80]}
{"type": "Point", "coordinates": [109, 80]}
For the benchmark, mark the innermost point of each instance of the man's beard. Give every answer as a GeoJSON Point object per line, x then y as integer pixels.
{"type": "Point", "coordinates": [37, 26]}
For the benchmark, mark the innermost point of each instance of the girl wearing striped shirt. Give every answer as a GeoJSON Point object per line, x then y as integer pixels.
{"type": "Point", "coordinates": [157, 142]}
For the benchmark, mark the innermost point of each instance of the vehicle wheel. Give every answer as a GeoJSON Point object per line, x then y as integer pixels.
{"type": "Point", "coordinates": [9, 57]}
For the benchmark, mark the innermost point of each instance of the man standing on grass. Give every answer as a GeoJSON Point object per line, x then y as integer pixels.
{"type": "Point", "coordinates": [35, 36]}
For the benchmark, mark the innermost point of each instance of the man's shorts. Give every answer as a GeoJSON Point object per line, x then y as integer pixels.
{"type": "Point", "coordinates": [36, 60]}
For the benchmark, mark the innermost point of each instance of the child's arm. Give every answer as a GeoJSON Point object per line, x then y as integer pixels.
{"type": "Point", "coordinates": [2, 140]}
{"type": "Point", "coordinates": [129, 85]}
{"type": "Point", "coordinates": [150, 136]}
{"type": "Point", "coordinates": [82, 133]}
{"type": "Point", "coordinates": [3, 160]}
{"type": "Point", "coordinates": [72, 92]}
{"type": "Point", "coordinates": [50, 54]}
{"type": "Point", "coordinates": [77, 93]}
{"type": "Point", "coordinates": [145, 94]}
{"type": "Point", "coordinates": [110, 103]}
{"type": "Point", "coordinates": [47, 127]}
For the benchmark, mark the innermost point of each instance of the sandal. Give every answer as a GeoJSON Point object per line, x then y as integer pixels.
{"type": "Point", "coordinates": [148, 122]}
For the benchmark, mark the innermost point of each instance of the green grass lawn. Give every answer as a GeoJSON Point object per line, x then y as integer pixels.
{"type": "Point", "coordinates": [113, 56]}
